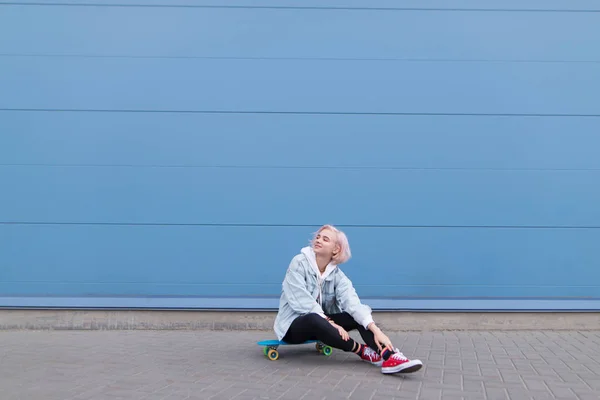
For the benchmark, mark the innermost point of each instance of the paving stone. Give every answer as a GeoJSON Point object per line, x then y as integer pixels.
{"type": "Point", "coordinates": [496, 394]}
{"type": "Point", "coordinates": [192, 365]}
{"type": "Point", "coordinates": [540, 395]}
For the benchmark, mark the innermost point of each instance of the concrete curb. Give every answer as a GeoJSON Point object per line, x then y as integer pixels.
{"type": "Point", "coordinates": [19, 319]}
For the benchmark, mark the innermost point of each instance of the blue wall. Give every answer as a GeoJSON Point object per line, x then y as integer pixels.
{"type": "Point", "coordinates": [162, 153]}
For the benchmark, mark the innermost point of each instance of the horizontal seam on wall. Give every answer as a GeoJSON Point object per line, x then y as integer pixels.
{"type": "Point", "coordinates": [249, 225]}
{"type": "Point", "coordinates": [316, 8]}
{"type": "Point", "coordinates": [350, 167]}
{"type": "Point", "coordinates": [259, 112]}
{"type": "Point", "coordinates": [359, 286]}
{"type": "Point", "coordinates": [233, 58]}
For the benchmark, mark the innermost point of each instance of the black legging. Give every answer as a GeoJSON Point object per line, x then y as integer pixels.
{"type": "Point", "coordinates": [314, 327]}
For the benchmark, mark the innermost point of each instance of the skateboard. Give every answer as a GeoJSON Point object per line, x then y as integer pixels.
{"type": "Point", "coordinates": [270, 347]}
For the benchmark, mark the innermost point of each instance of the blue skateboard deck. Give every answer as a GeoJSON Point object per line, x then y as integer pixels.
{"type": "Point", "coordinates": [270, 347]}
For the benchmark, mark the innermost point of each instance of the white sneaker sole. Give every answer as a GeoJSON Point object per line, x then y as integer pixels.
{"type": "Point", "coordinates": [375, 363]}
{"type": "Point", "coordinates": [407, 367]}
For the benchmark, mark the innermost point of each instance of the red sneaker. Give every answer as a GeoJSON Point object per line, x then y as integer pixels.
{"type": "Point", "coordinates": [371, 356]}
{"type": "Point", "coordinates": [399, 363]}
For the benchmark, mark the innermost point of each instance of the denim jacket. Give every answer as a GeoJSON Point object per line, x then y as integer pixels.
{"type": "Point", "coordinates": [305, 290]}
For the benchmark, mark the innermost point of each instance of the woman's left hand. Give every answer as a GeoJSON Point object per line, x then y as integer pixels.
{"type": "Point", "coordinates": [382, 339]}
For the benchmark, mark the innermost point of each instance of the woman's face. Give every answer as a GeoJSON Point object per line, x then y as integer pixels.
{"type": "Point", "coordinates": [325, 243]}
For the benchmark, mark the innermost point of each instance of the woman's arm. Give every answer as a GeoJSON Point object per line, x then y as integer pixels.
{"type": "Point", "coordinates": [349, 301]}
{"type": "Point", "coordinates": [380, 338]}
{"type": "Point", "coordinates": [373, 328]}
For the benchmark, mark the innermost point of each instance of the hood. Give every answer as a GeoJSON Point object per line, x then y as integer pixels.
{"type": "Point", "coordinates": [312, 259]}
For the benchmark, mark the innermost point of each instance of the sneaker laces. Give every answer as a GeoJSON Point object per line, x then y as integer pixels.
{"type": "Point", "coordinates": [398, 355]}
{"type": "Point", "coordinates": [370, 353]}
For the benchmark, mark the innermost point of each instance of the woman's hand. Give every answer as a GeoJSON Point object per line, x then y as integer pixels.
{"type": "Point", "coordinates": [380, 337]}
{"type": "Point", "coordinates": [341, 330]}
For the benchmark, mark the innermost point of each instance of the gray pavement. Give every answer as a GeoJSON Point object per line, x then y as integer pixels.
{"type": "Point", "coordinates": [175, 365]}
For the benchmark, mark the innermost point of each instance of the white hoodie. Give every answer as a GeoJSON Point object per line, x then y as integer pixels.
{"type": "Point", "coordinates": [312, 259]}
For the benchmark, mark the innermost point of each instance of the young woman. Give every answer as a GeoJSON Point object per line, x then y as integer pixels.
{"type": "Point", "coordinates": [319, 302]}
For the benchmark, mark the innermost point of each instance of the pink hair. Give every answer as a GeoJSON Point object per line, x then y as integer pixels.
{"type": "Point", "coordinates": [342, 241]}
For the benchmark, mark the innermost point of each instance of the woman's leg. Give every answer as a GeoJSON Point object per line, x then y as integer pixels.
{"type": "Point", "coordinates": [346, 321]}
{"type": "Point", "coordinates": [391, 361]}
{"type": "Point", "coordinates": [314, 327]}
{"type": "Point", "coordinates": [368, 351]}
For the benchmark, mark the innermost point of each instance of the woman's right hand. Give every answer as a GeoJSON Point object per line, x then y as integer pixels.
{"type": "Point", "coordinates": [342, 331]}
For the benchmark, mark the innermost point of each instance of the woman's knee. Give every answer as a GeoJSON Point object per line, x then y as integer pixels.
{"type": "Point", "coordinates": [314, 318]}
{"type": "Point", "coordinates": [316, 323]}
{"type": "Point", "coordinates": [345, 320]}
